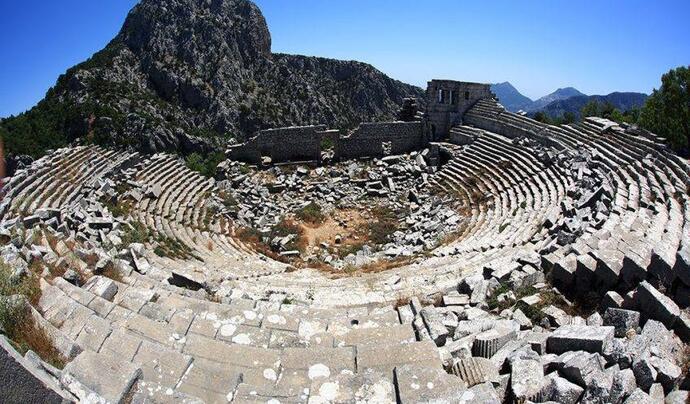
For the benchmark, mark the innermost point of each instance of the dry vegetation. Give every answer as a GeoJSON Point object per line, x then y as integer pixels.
{"type": "Point", "coordinates": [383, 224]}
{"type": "Point", "coordinates": [16, 319]}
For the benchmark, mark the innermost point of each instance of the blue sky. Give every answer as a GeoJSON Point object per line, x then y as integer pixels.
{"type": "Point", "coordinates": [596, 46]}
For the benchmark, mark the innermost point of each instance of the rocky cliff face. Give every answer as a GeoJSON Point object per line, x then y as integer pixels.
{"type": "Point", "coordinates": [187, 75]}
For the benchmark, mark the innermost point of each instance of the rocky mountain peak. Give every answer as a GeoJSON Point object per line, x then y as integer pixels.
{"type": "Point", "coordinates": [186, 30]}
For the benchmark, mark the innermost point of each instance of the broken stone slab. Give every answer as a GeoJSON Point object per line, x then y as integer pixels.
{"type": "Point", "coordinates": [31, 221]}
{"type": "Point", "coordinates": [458, 300]}
{"type": "Point", "coordinates": [656, 305]}
{"type": "Point", "coordinates": [563, 271]}
{"type": "Point", "coordinates": [531, 300]}
{"type": "Point", "coordinates": [639, 397]}
{"type": "Point", "coordinates": [482, 393]}
{"type": "Point", "coordinates": [501, 271]}
{"type": "Point", "coordinates": [479, 293]}
{"type": "Point", "coordinates": [418, 384]}
{"type": "Point", "coordinates": [578, 366]}
{"type": "Point", "coordinates": [678, 397]}
{"type": "Point", "coordinates": [469, 283]}
{"type": "Point", "coordinates": [537, 341]}
{"type": "Point", "coordinates": [656, 393]}
{"type": "Point", "coordinates": [622, 320]}
{"type": "Point", "coordinates": [520, 317]}
{"type": "Point", "coordinates": [668, 373]}
{"type": "Point", "coordinates": [611, 299]}
{"type": "Point", "coordinates": [609, 265]}
{"type": "Point", "coordinates": [580, 338]}
{"type": "Point", "coordinates": [93, 377]}
{"type": "Point", "coordinates": [153, 191]}
{"type": "Point", "coordinates": [557, 317]}
{"type": "Point", "coordinates": [595, 319]}
{"type": "Point", "coordinates": [598, 388]}
{"type": "Point", "coordinates": [140, 263]}
{"type": "Point", "coordinates": [622, 386]}
{"type": "Point", "coordinates": [560, 390]}
{"type": "Point", "coordinates": [527, 379]}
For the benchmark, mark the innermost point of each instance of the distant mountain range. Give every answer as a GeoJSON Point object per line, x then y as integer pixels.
{"type": "Point", "coordinates": [510, 97]}
{"type": "Point", "coordinates": [563, 100]}
{"type": "Point", "coordinates": [622, 102]}
{"type": "Point", "coordinates": [558, 95]}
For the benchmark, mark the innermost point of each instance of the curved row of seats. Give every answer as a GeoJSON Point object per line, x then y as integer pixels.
{"type": "Point", "coordinates": [56, 180]}
{"type": "Point", "coordinates": [181, 213]}
{"type": "Point", "coordinates": [640, 240]}
{"type": "Point", "coordinates": [647, 229]}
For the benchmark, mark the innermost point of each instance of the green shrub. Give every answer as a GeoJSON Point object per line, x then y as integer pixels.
{"type": "Point", "coordinates": [327, 143]}
{"type": "Point", "coordinates": [136, 232]}
{"type": "Point", "coordinates": [312, 214]}
{"type": "Point", "coordinates": [286, 228]}
{"type": "Point", "coordinates": [228, 199]}
{"type": "Point", "coordinates": [171, 247]}
{"type": "Point", "coordinates": [205, 166]}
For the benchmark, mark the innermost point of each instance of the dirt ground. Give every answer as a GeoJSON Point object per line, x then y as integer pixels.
{"type": "Point", "coordinates": [349, 224]}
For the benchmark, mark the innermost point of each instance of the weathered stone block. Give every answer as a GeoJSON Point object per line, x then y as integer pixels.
{"type": "Point", "coordinates": [475, 371]}
{"type": "Point", "coordinates": [527, 379]}
{"type": "Point", "coordinates": [417, 384]}
{"type": "Point", "coordinates": [434, 324]}
{"type": "Point", "coordinates": [579, 338]}
{"type": "Point", "coordinates": [560, 390]}
{"type": "Point", "coordinates": [102, 286]}
{"type": "Point", "coordinates": [489, 342]}
{"type": "Point", "coordinates": [656, 305]}
{"type": "Point", "coordinates": [623, 385]}
{"type": "Point", "coordinates": [91, 376]}
{"type": "Point", "coordinates": [645, 373]}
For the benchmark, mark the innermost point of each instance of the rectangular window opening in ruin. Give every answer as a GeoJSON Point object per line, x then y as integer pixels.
{"type": "Point", "coordinates": [467, 95]}
{"type": "Point", "coordinates": [453, 97]}
{"type": "Point", "coordinates": [440, 96]}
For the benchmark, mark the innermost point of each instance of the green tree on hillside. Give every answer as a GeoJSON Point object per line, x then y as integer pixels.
{"type": "Point", "coordinates": [609, 111]}
{"type": "Point", "coordinates": [568, 117]}
{"type": "Point", "coordinates": [667, 110]}
{"type": "Point", "coordinates": [590, 109]}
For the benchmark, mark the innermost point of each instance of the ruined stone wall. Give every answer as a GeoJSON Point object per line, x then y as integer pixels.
{"type": "Point", "coordinates": [448, 101]}
{"type": "Point", "coordinates": [298, 143]}
{"type": "Point", "coordinates": [380, 139]}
